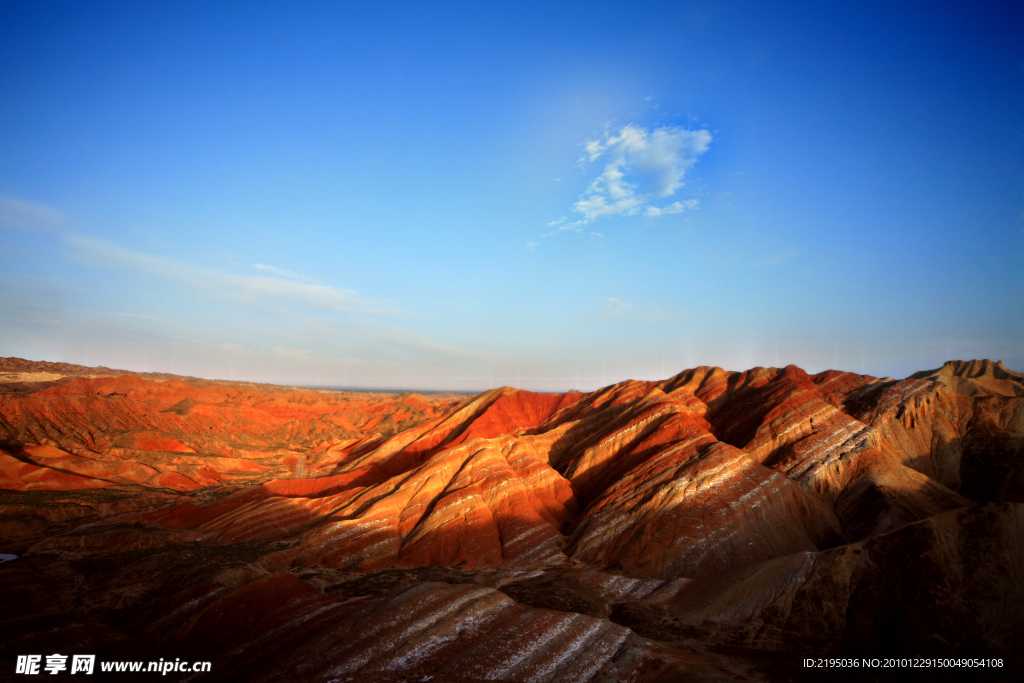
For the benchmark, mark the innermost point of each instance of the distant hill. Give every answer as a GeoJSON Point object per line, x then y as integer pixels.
{"type": "Point", "coordinates": [978, 376]}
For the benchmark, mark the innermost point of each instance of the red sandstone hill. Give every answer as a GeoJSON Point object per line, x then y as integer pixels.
{"type": "Point", "coordinates": [713, 526]}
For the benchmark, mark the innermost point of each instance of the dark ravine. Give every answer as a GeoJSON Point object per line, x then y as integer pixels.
{"type": "Point", "coordinates": [713, 526]}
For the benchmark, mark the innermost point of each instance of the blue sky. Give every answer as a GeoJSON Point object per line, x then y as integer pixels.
{"type": "Point", "coordinates": [543, 195]}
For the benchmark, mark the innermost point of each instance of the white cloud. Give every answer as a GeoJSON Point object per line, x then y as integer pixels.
{"type": "Point", "coordinates": [558, 222]}
{"type": "Point", "coordinates": [595, 205]}
{"type": "Point", "coordinates": [593, 148]}
{"type": "Point", "coordinates": [531, 245]}
{"type": "Point", "coordinates": [674, 207]}
{"type": "Point", "coordinates": [17, 213]}
{"type": "Point", "coordinates": [643, 165]}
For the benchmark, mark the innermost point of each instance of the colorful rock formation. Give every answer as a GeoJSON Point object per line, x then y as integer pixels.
{"type": "Point", "coordinates": [715, 525]}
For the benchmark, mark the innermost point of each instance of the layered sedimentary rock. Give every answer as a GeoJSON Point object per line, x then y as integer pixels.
{"type": "Point", "coordinates": [713, 525]}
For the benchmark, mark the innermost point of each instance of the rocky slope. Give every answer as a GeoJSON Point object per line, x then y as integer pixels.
{"type": "Point", "coordinates": [713, 526]}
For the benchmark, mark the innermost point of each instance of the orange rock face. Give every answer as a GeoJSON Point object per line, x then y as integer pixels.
{"type": "Point", "coordinates": [631, 533]}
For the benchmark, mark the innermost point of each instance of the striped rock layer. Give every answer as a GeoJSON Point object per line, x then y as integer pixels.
{"type": "Point", "coordinates": [630, 533]}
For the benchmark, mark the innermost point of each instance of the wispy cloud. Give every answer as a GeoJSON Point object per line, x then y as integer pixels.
{"type": "Point", "coordinates": [250, 289]}
{"type": "Point", "coordinates": [17, 213]}
{"type": "Point", "coordinates": [319, 296]}
{"type": "Point", "coordinates": [642, 167]}
{"type": "Point", "coordinates": [147, 317]}
{"type": "Point", "coordinates": [280, 271]}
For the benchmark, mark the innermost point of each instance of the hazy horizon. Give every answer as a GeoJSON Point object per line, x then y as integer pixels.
{"type": "Point", "coordinates": [552, 197]}
{"type": "Point", "coordinates": [329, 383]}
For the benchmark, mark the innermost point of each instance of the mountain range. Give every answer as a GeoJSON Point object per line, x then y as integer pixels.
{"type": "Point", "coordinates": [712, 526]}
